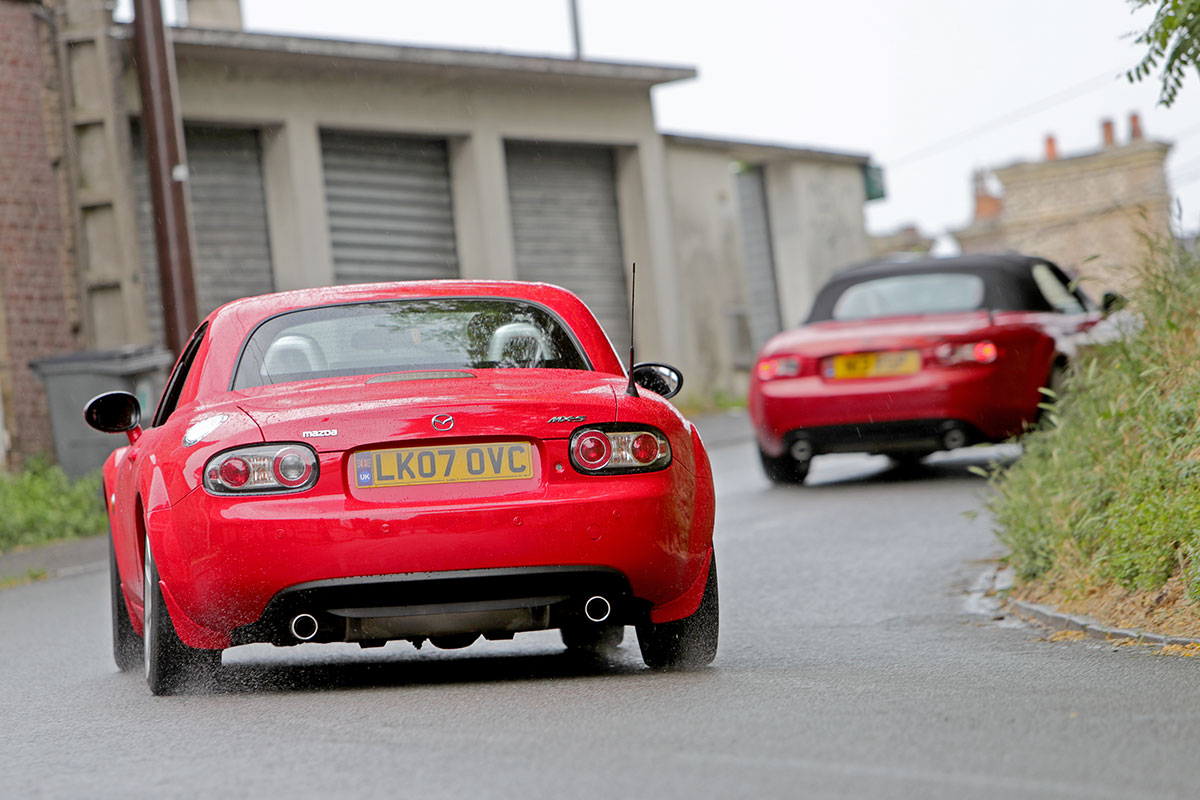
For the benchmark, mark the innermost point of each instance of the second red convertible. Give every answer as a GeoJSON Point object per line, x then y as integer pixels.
{"type": "Point", "coordinates": [908, 357]}
{"type": "Point", "coordinates": [431, 461]}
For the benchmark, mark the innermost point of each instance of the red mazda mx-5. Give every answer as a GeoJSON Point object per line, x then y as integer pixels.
{"type": "Point", "coordinates": [429, 461]}
{"type": "Point", "coordinates": [909, 357]}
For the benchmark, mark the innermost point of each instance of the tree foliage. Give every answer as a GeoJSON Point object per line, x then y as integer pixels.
{"type": "Point", "coordinates": [1172, 45]}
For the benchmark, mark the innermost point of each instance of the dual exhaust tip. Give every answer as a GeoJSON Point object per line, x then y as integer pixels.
{"type": "Point", "coordinates": [304, 626]}
{"type": "Point", "coordinates": [953, 437]}
{"type": "Point", "coordinates": [597, 608]}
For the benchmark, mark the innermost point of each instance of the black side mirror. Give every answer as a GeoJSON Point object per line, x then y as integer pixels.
{"type": "Point", "coordinates": [113, 412]}
{"type": "Point", "coordinates": [1112, 301]}
{"type": "Point", "coordinates": [662, 379]}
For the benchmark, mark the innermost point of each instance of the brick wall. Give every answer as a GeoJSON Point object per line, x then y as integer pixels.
{"type": "Point", "coordinates": [33, 235]}
{"type": "Point", "coordinates": [1090, 213]}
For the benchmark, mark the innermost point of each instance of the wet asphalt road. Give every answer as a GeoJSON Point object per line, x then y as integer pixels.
{"type": "Point", "coordinates": [849, 667]}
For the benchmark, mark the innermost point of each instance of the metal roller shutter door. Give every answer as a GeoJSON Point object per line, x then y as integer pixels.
{"type": "Point", "coordinates": [565, 225]}
{"type": "Point", "coordinates": [389, 207]}
{"type": "Point", "coordinates": [762, 294]}
{"type": "Point", "coordinates": [229, 219]}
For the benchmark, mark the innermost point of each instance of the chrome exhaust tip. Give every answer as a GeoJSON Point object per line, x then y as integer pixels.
{"type": "Point", "coordinates": [954, 438]}
{"type": "Point", "coordinates": [304, 627]}
{"type": "Point", "coordinates": [597, 609]}
{"type": "Point", "coordinates": [801, 450]}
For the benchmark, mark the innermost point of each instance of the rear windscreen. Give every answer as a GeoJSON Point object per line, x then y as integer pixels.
{"type": "Point", "coordinates": [898, 295]}
{"type": "Point", "coordinates": [397, 336]}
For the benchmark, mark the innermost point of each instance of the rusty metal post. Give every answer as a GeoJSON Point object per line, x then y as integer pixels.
{"type": "Point", "coordinates": [165, 156]}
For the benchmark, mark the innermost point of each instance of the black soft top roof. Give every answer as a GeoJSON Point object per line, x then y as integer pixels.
{"type": "Point", "coordinates": [1007, 278]}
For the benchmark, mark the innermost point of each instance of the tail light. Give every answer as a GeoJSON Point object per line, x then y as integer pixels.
{"type": "Point", "coordinates": [778, 367]}
{"type": "Point", "coordinates": [262, 469]}
{"type": "Point", "coordinates": [616, 449]}
{"type": "Point", "coordinates": [981, 352]}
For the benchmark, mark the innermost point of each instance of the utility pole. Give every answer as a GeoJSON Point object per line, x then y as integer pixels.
{"type": "Point", "coordinates": [165, 157]}
{"type": "Point", "coordinates": [573, 7]}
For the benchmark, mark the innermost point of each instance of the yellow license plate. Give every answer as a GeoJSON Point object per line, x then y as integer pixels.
{"type": "Point", "coordinates": [875, 365]}
{"type": "Point", "coordinates": [459, 463]}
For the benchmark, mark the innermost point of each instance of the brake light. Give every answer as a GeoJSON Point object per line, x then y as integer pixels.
{"type": "Point", "coordinates": [234, 472]}
{"type": "Point", "coordinates": [982, 352]}
{"type": "Point", "coordinates": [985, 352]}
{"type": "Point", "coordinates": [592, 450]}
{"type": "Point", "coordinates": [261, 469]}
{"type": "Point", "coordinates": [615, 449]}
{"type": "Point", "coordinates": [783, 367]}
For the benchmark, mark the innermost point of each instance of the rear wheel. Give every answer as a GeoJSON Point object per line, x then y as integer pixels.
{"type": "Point", "coordinates": [171, 666]}
{"type": "Point", "coordinates": [784, 468]}
{"type": "Point", "coordinates": [127, 647]}
{"type": "Point", "coordinates": [688, 643]}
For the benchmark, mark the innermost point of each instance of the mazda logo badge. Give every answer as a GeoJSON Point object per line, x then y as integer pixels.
{"type": "Point", "coordinates": [442, 422]}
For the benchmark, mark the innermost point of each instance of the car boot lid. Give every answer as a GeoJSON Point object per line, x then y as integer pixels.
{"type": "Point", "coordinates": [344, 414]}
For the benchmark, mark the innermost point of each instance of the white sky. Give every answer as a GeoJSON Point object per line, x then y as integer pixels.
{"type": "Point", "coordinates": [930, 89]}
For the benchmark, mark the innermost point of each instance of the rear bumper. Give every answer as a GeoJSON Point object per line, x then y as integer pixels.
{"type": "Point", "coordinates": [895, 437]}
{"type": "Point", "coordinates": [224, 560]}
{"type": "Point", "coordinates": [889, 414]}
{"type": "Point", "coordinates": [494, 602]}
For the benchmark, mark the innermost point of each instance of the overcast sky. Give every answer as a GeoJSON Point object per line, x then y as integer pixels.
{"type": "Point", "coordinates": [930, 89]}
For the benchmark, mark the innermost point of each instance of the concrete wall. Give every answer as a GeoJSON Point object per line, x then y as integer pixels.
{"type": "Point", "coordinates": [476, 117]}
{"type": "Point", "coordinates": [708, 250]}
{"type": "Point", "coordinates": [817, 227]}
{"type": "Point", "coordinates": [815, 209]}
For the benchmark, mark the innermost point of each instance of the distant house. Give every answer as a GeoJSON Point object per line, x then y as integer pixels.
{"type": "Point", "coordinates": [315, 162]}
{"type": "Point", "coordinates": [1089, 212]}
{"type": "Point", "coordinates": [905, 240]}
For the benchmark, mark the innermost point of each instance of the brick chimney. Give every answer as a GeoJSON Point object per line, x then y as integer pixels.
{"type": "Point", "coordinates": [1135, 127]}
{"type": "Point", "coordinates": [1051, 148]}
{"type": "Point", "coordinates": [1106, 126]}
{"type": "Point", "coordinates": [987, 205]}
{"type": "Point", "coordinates": [223, 15]}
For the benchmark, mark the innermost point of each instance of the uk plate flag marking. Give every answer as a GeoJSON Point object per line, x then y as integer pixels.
{"type": "Point", "coordinates": [362, 466]}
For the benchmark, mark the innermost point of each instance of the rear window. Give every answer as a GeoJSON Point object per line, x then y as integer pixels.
{"type": "Point", "coordinates": [398, 336]}
{"type": "Point", "coordinates": [898, 295]}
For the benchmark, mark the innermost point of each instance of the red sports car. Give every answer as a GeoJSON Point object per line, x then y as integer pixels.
{"type": "Point", "coordinates": [909, 357]}
{"type": "Point", "coordinates": [429, 461]}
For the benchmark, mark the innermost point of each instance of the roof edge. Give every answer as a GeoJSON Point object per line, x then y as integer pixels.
{"type": "Point", "coordinates": [202, 43]}
{"type": "Point", "coordinates": [764, 151]}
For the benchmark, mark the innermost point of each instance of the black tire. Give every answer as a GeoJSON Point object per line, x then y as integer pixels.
{"type": "Point", "coordinates": [171, 666]}
{"type": "Point", "coordinates": [688, 643]}
{"type": "Point", "coordinates": [784, 468]}
{"type": "Point", "coordinates": [127, 645]}
{"type": "Point", "coordinates": [592, 638]}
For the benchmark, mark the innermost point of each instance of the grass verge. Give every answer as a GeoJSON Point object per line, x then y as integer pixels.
{"type": "Point", "coordinates": [41, 504]}
{"type": "Point", "coordinates": [1105, 497]}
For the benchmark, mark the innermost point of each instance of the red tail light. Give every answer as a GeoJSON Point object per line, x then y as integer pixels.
{"type": "Point", "coordinates": [981, 352]}
{"type": "Point", "coordinates": [778, 367]}
{"type": "Point", "coordinates": [261, 469]}
{"type": "Point", "coordinates": [614, 448]}
{"type": "Point", "coordinates": [234, 472]}
{"type": "Point", "coordinates": [592, 450]}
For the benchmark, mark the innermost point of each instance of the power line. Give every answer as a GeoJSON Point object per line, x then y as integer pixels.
{"type": "Point", "coordinates": [1013, 116]}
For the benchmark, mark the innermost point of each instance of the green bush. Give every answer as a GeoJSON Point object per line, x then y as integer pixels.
{"type": "Point", "coordinates": [42, 504]}
{"type": "Point", "coordinates": [1112, 481]}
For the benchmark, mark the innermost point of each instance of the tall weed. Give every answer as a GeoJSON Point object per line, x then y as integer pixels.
{"type": "Point", "coordinates": [1114, 479]}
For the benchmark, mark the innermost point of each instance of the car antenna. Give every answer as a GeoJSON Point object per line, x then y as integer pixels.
{"type": "Point", "coordinates": [631, 389]}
